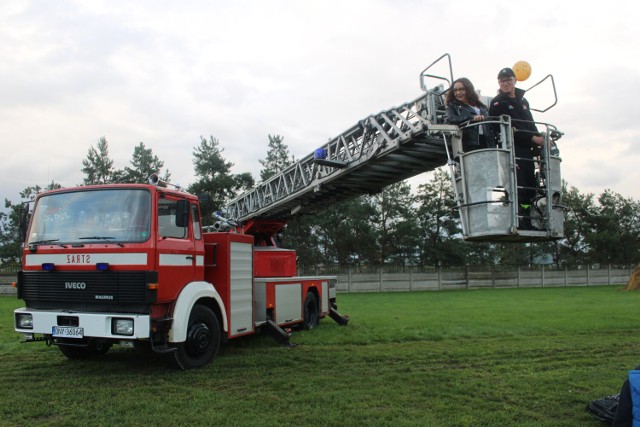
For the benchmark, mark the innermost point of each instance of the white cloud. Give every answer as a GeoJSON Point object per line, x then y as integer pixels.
{"type": "Point", "coordinates": [165, 73]}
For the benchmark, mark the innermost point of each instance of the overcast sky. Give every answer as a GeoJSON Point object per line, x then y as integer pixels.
{"type": "Point", "coordinates": [166, 72]}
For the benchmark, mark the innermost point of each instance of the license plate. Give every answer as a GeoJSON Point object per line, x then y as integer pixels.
{"type": "Point", "coordinates": [67, 332]}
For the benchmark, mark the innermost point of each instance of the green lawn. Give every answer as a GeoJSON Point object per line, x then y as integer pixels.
{"type": "Point", "coordinates": [516, 357]}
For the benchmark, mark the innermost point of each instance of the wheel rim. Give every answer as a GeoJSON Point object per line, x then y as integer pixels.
{"type": "Point", "coordinates": [198, 338]}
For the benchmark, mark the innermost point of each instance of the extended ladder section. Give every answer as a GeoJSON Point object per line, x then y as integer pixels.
{"type": "Point", "coordinates": [407, 140]}
{"type": "Point", "coordinates": [380, 150]}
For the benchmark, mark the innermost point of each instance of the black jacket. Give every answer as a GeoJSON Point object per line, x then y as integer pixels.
{"type": "Point", "coordinates": [521, 118]}
{"type": "Point", "coordinates": [458, 113]}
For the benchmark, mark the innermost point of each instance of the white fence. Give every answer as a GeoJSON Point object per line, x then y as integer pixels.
{"type": "Point", "coordinates": [476, 278]}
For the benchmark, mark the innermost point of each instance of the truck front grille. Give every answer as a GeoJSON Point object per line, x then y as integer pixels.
{"type": "Point", "coordinates": [87, 290]}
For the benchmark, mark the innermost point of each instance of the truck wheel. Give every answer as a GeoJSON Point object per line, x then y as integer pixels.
{"type": "Point", "coordinates": [94, 348]}
{"type": "Point", "coordinates": [203, 339]}
{"type": "Point", "coordinates": [311, 317]}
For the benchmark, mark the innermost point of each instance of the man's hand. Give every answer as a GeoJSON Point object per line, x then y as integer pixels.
{"type": "Point", "coordinates": [538, 140]}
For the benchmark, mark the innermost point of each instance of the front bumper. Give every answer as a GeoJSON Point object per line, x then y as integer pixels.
{"type": "Point", "coordinates": [94, 325]}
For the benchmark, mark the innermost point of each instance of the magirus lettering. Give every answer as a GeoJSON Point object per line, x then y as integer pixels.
{"type": "Point", "coordinates": [75, 285]}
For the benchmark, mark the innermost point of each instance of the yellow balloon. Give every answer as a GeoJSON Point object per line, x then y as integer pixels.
{"type": "Point", "coordinates": [522, 70]}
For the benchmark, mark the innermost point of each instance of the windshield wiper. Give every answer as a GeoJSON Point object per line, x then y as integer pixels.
{"type": "Point", "coordinates": [45, 242]}
{"type": "Point", "coordinates": [101, 238]}
{"type": "Point", "coordinates": [96, 238]}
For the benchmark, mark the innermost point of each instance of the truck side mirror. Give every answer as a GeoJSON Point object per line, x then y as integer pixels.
{"type": "Point", "coordinates": [182, 213]}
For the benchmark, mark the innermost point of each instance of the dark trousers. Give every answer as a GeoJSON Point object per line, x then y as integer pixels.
{"type": "Point", "coordinates": [525, 174]}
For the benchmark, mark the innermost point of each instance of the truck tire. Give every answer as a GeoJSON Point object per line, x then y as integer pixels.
{"type": "Point", "coordinates": [94, 348]}
{"type": "Point", "coordinates": [311, 315]}
{"type": "Point", "coordinates": [203, 339]}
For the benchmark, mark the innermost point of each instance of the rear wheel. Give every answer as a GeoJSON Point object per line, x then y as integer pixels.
{"type": "Point", "coordinates": [203, 339]}
{"type": "Point", "coordinates": [311, 315]}
{"type": "Point", "coordinates": [92, 349]}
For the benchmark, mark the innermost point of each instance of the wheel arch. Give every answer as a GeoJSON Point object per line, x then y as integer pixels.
{"type": "Point", "coordinates": [195, 293]}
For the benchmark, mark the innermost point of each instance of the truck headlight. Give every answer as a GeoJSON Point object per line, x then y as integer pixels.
{"type": "Point", "coordinates": [122, 326]}
{"type": "Point", "coordinates": [24, 321]}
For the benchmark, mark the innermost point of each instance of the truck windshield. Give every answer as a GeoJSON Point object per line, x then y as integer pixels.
{"type": "Point", "coordinates": [117, 215]}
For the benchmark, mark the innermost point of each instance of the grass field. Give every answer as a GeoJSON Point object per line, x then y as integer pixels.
{"type": "Point", "coordinates": [517, 357]}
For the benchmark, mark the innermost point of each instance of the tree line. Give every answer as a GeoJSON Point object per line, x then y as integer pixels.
{"type": "Point", "coordinates": [398, 226]}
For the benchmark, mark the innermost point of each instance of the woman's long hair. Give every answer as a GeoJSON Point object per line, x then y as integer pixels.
{"type": "Point", "coordinates": [470, 91]}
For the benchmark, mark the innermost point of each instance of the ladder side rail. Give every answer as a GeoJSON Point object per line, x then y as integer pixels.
{"type": "Point", "coordinates": [297, 176]}
{"type": "Point", "coordinates": [358, 144]}
{"type": "Point", "coordinates": [408, 119]}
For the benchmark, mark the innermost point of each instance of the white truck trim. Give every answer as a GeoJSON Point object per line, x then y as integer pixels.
{"type": "Point", "coordinates": [189, 295]}
{"type": "Point", "coordinates": [114, 258]}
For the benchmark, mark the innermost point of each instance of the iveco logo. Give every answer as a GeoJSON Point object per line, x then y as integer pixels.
{"type": "Point", "coordinates": [75, 285]}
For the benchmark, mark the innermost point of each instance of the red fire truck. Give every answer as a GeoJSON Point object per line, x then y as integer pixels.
{"type": "Point", "coordinates": [115, 264]}
{"type": "Point", "coordinates": [128, 264]}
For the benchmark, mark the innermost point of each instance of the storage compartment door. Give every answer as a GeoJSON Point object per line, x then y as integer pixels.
{"type": "Point", "coordinates": [241, 288]}
{"type": "Point", "coordinates": [288, 303]}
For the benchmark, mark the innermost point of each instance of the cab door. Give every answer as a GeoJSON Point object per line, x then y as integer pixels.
{"type": "Point", "coordinates": [176, 254]}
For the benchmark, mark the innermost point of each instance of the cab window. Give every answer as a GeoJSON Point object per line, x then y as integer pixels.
{"type": "Point", "coordinates": [167, 214]}
{"type": "Point", "coordinates": [195, 220]}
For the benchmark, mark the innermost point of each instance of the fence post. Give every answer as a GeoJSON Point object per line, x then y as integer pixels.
{"type": "Point", "coordinates": [349, 278]}
{"type": "Point", "coordinates": [493, 276]}
{"type": "Point", "coordinates": [410, 278]}
{"type": "Point", "coordinates": [518, 276]}
{"type": "Point", "coordinates": [609, 274]}
{"type": "Point", "coordinates": [380, 278]}
{"type": "Point", "coordinates": [587, 274]}
{"type": "Point", "coordinates": [466, 277]}
{"type": "Point", "coordinates": [439, 278]}
{"type": "Point", "coordinates": [566, 276]}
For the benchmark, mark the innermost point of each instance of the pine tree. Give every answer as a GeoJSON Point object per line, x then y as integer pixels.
{"type": "Point", "coordinates": [144, 163]}
{"type": "Point", "coordinates": [396, 225]}
{"type": "Point", "coordinates": [439, 227]}
{"type": "Point", "coordinates": [216, 185]}
{"type": "Point", "coordinates": [98, 167]}
{"type": "Point", "coordinates": [278, 158]}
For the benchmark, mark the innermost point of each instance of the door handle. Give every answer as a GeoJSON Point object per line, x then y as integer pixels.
{"type": "Point", "coordinates": [189, 257]}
